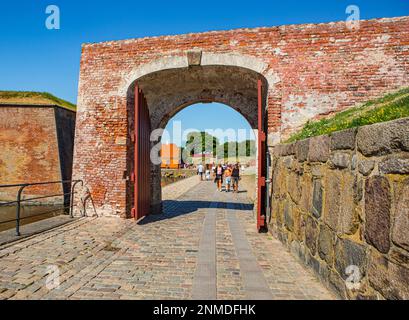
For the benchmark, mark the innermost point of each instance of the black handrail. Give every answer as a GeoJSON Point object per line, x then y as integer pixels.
{"type": "Point", "coordinates": [4, 204]}
{"type": "Point", "coordinates": [18, 201]}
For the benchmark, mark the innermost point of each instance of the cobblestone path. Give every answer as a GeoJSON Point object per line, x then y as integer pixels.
{"type": "Point", "coordinates": [204, 246]}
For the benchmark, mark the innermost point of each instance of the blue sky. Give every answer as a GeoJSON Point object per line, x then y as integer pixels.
{"type": "Point", "coordinates": [35, 58]}
{"type": "Point", "coordinates": [205, 117]}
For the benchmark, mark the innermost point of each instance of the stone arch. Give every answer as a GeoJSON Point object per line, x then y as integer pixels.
{"type": "Point", "coordinates": [173, 83]}
{"type": "Point", "coordinates": [207, 59]}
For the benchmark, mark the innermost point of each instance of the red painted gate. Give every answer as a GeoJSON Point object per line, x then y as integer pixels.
{"type": "Point", "coordinates": [261, 184]}
{"type": "Point", "coordinates": [142, 174]}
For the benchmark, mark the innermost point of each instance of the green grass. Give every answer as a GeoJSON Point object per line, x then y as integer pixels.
{"type": "Point", "coordinates": [31, 97]}
{"type": "Point", "coordinates": [390, 107]}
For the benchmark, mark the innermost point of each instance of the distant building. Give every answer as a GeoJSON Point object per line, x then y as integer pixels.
{"type": "Point", "coordinates": [171, 156]}
{"type": "Point", "coordinates": [36, 142]}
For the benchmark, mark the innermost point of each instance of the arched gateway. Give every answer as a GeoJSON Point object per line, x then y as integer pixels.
{"type": "Point", "coordinates": [277, 78]}
{"type": "Point", "coordinates": [236, 81]}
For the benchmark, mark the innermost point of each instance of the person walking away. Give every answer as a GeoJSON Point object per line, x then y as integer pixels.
{"type": "Point", "coordinates": [207, 174]}
{"type": "Point", "coordinates": [200, 170]}
{"type": "Point", "coordinates": [219, 177]}
{"type": "Point", "coordinates": [235, 176]}
{"type": "Point", "coordinates": [227, 175]}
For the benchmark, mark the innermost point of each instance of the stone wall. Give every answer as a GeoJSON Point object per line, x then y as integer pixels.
{"type": "Point", "coordinates": [36, 145]}
{"type": "Point", "coordinates": [308, 71]}
{"type": "Point", "coordinates": [340, 202]}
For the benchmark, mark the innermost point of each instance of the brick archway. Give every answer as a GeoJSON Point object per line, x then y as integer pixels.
{"type": "Point", "coordinates": [310, 71]}
{"type": "Point", "coordinates": [170, 90]}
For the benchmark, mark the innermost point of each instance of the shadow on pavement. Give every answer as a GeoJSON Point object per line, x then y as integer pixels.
{"type": "Point", "coordinates": [176, 208]}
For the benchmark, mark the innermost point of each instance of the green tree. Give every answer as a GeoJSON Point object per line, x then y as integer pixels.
{"type": "Point", "coordinates": [201, 142]}
{"type": "Point", "coordinates": [245, 148]}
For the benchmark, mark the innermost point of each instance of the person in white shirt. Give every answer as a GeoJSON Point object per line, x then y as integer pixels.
{"type": "Point", "coordinates": [200, 171]}
{"type": "Point", "coordinates": [208, 177]}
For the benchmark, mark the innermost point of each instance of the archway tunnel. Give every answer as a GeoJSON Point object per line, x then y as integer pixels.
{"type": "Point", "coordinates": [169, 91]}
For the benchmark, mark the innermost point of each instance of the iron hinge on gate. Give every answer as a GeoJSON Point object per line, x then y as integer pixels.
{"type": "Point", "coordinates": [262, 181]}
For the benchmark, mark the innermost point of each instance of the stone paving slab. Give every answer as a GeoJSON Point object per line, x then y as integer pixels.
{"type": "Point", "coordinates": [255, 284]}
{"type": "Point", "coordinates": [159, 257]}
{"type": "Point", "coordinates": [28, 230]}
{"type": "Point", "coordinates": [205, 279]}
{"type": "Point", "coordinates": [177, 189]}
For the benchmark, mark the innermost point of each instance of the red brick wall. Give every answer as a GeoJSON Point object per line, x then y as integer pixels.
{"type": "Point", "coordinates": [28, 150]}
{"type": "Point", "coordinates": [318, 69]}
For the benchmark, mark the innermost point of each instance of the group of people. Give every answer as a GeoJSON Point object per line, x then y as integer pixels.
{"type": "Point", "coordinates": [227, 176]}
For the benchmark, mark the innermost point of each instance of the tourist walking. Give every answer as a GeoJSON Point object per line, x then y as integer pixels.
{"type": "Point", "coordinates": [219, 177]}
{"type": "Point", "coordinates": [235, 176]}
{"type": "Point", "coordinates": [200, 171]}
{"type": "Point", "coordinates": [227, 176]}
{"type": "Point", "coordinates": [208, 177]}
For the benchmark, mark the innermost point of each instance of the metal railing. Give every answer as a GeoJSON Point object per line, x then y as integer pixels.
{"type": "Point", "coordinates": [19, 199]}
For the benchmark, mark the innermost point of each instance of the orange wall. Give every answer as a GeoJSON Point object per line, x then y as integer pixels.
{"type": "Point", "coordinates": [170, 156]}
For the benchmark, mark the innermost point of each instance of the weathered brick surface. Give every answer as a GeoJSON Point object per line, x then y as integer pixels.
{"type": "Point", "coordinates": [35, 146]}
{"type": "Point", "coordinates": [309, 70]}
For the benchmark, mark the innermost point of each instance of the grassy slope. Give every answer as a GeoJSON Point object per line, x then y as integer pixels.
{"type": "Point", "coordinates": [392, 106]}
{"type": "Point", "coordinates": [28, 97]}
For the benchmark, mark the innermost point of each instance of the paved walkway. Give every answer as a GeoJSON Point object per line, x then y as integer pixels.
{"type": "Point", "coordinates": [205, 246]}
{"type": "Point", "coordinates": [177, 189]}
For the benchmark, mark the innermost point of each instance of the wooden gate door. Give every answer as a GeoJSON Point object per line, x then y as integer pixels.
{"type": "Point", "coordinates": [261, 150]}
{"type": "Point", "coordinates": [142, 167]}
